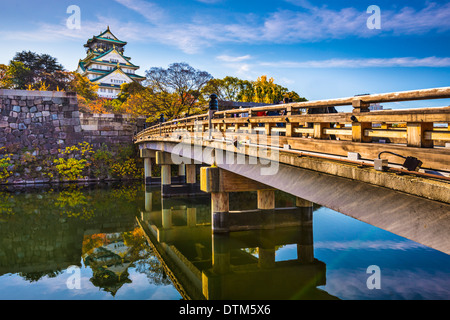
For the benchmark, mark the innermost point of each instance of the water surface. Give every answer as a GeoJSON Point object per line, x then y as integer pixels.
{"type": "Point", "coordinates": [125, 242]}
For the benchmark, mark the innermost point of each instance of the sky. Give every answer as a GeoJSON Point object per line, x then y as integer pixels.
{"type": "Point", "coordinates": [320, 49]}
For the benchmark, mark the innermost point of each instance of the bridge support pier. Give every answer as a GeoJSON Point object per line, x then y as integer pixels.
{"type": "Point", "coordinates": [181, 186]}
{"type": "Point", "coordinates": [305, 248]}
{"type": "Point", "coordinates": [220, 183]}
{"type": "Point", "coordinates": [148, 155]}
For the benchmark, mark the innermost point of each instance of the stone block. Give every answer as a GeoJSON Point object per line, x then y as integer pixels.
{"type": "Point", "coordinates": [89, 127]}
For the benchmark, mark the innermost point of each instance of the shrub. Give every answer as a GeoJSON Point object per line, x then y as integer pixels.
{"type": "Point", "coordinates": [74, 161]}
{"type": "Point", "coordinates": [5, 164]}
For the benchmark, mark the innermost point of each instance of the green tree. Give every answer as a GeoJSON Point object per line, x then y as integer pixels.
{"type": "Point", "coordinates": [19, 74]}
{"type": "Point", "coordinates": [38, 69]}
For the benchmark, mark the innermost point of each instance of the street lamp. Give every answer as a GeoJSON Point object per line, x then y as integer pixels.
{"type": "Point", "coordinates": [213, 107]}
{"type": "Point", "coordinates": [161, 120]}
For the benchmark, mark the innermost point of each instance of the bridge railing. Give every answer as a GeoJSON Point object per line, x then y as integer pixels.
{"type": "Point", "coordinates": [334, 132]}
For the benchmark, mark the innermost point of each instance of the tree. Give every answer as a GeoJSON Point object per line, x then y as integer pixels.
{"type": "Point", "coordinates": [37, 69]}
{"type": "Point", "coordinates": [83, 87]}
{"type": "Point", "coordinates": [6, 81]}
{"type": "Point", "coordinates": [180, 83]}
{"type": "Point", "coordinates": [151, 103]}
{"type": "Point", "coordinates": [18, 74]}
{"type": "Point", "coordinates": [263, 90]}
{"type": "Point", "coordinates": [226, 89]}
{"type": "Point", "coordinates": [127, 89]}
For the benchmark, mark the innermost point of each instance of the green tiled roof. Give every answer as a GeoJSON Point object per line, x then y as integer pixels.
{"type": "Point", "coordinates": [131, 76]}
{"type": "Point", "coordinates": [100, 37]}
{"type": "Point", "coordinates": [103, 54]}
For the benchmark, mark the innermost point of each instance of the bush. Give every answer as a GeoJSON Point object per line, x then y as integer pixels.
{"type": "Point", "coordinates": [5, 164]}
{"type": "Point", "coordinates": [74, 161]}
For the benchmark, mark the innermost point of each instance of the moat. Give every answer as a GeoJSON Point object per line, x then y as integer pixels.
{"type": "Point", "coordinates": [116, 241]}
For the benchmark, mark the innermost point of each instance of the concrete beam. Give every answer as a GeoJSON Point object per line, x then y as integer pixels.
{"type": "Point", "coordinates": [146, 153]}
{"type": "Point", "coordinates": [214, 179]}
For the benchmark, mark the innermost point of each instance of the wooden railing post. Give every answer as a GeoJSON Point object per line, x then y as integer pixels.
{"type": "Point", "coordinates": [318, 130]}
{"type": "Point", "coordinates": [289, 126]}
{"type": "Point", "coordinates": [360, 106]}
{"type": "Point", "coordinates": [358, 129]}
{"type": "Point", "coordinates": [415, 134]}
{"type": "Point", "coordinates": [268, 128]}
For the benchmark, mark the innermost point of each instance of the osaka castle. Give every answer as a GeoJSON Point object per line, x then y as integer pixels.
{"type": "Point", "coordinates": [106, 65]}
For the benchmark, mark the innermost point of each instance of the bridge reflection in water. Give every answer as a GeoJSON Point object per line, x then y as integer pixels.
{"type": "Point", "coordinates": [234, 265]}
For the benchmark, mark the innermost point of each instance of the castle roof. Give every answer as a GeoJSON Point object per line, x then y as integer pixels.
{"type": "Point", "coordinates": [107, 36]}
{"type": "Point", "coordinates": [129, 75]}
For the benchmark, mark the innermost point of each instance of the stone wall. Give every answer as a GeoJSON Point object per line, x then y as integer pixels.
{"type": "Point", "coordinates": [109, 128]}
{"type": "Point", "coordinates": [41, 121]}
{"type": "Point", "coordinates": [39, 124]}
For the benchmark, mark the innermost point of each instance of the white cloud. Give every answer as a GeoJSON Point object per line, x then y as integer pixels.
{"type": "Point", "coordinates": [209, 1]}
{"type": "Point", "coordinates": [150, 11]}
{"type": "Point", "coordinates": [369, 245]}
{"type": "Point", "coordinates": [228, 58]}
{"type": "Point", "coordinates": [364, 63]}
{"type": "Point", "coordinates": [308, 23]}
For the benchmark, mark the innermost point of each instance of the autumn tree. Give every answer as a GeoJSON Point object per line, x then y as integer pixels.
{"type": "Point", "coordinates": [226, 89]}
{"type": "Point", "coordinates": [151, 103]}
{"type": "Point", "coordinates": [180, 84]}
{"type": "Point", "coordinates": [263, 90]}
{"type": "Point", "coordinates": [127, 89]}
{"type": "Point", "coordinates": [6, 81]}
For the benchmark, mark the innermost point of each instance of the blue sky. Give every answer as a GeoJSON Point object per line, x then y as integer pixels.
{"type": "Point", "coordinates": [320, 49]}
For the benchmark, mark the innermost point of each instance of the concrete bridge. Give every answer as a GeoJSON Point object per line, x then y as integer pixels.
{"type": "Point", "coordinates": [389, 168]}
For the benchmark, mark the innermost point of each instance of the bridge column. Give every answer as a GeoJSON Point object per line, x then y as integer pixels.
{"type": "Point", "coordinates": [147, 155]}
{"type": "Point", "coordinates": [184, 184]}
{"type": "Point", "coordinates": [182, 173]}
{"type": "Point", "coordinates": [164, 160]}
{"type": "Point", "coordinates": [266, 257]}
{"type": "Point", "coordinates": [220, 253]}
{"type": "Point", "coordinates": [148, 201]}
{"type": "Point", "coordinates": [220, 205]}
{"type": "Point", "coordinates": [166, 218]}
{"type": "Point", "coordinates": [305, 247]}
{"type": "Point", "coordinates": [191, 173]}
{"type": "Point", "coordinates": [191, 216]}
{"type": "Point", "coordinates": [220, 183]}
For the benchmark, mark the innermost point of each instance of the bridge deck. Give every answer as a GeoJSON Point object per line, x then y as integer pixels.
{"type": "Point", "coordinates": [332, 158]}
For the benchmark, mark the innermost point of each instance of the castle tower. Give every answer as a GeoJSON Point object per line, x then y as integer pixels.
{"type": "Point", "coordinates": [106, 65]}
